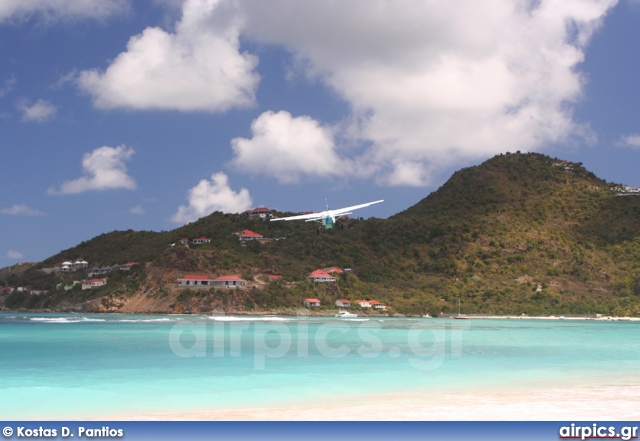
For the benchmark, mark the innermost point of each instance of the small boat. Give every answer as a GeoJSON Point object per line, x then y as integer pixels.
{"type": "Point", "coordinates": [346, 314]}
{"type": "Point", "coordinates": [426, 316]}
{"type": "Point", "coordinates": [459, 316]}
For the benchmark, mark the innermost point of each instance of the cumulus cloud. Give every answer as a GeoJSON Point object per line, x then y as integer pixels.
{"type": "Point", "coordinates": [40, 111]}
{"type": "Point", "coordinates": [104, 168]}
{"type": "Point", "coordinates": [212, 195]}
{"type": "Point", "coordinates": [53, 10]}
{"type": "Point", "coordinates": [287, 148]}
{"type": "Point", "coordinates": [138, 209]}
{"type": "Point", "coordinates": [632, 141]}
{"type": "Point", "coordinates": [198, 67]}
{"type": "Point", "coordinates": [11, 254]}
{"type": "Point", "coordinates": [432, 82]}
{"type": "Point", "coordinates": [21, 210]}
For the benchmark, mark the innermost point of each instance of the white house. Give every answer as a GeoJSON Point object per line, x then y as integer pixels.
{"type": "Point", "coordinates": [246, 235]}
{"type": "Point", "coordinates": [127, 266]}
{"type": "Point", "coordinates": [312, 303]}
{"type": "Point", "coordinates": [229, 282]}
{"type": "Point", "coordinates": [377, 305]}
{"type": "Point", "coordinates": [200, 240]}
{"type": "Point", "coordinates": [195, 281]}
{"type": "Point", "coordinates": [363, 303]}
{"type": "Point", "coordinates": [261, 212]}
{"type": "Point", "coordinates": [320, 276]}
{"type": "Point", "coordinates": [94, 283]}
{"type": "Point", "coordinates": [343, 303]}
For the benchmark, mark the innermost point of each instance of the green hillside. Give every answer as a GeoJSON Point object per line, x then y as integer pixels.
{"type": "Point", "coordinates": [520, 233]}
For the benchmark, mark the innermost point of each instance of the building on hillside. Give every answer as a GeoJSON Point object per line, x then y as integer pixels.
{"type": "Point", "coordinates": [260, 212]}
{"type": "Point", "coordinates": [332, 269]}
{"type": "Point", "coordinates": [363, 303]}
{"type": "Point", "coordinates": [320, 276]}
{"type": "Point", "coordinates": [127, 266]}
{"type": "Point", "coordinates": [343, 303]}
{"type": "Point", "coordinates": [229, 282]}
{"type": "Point", "coordinates": [195, 280]}
{"type": "Point", "coordinates": [94, 283]}
{"type": "Point", "coordinates": [311, 303]}
{"type": "Point", "coordinates": [201, 240]}
{"type": "Point", "coordinates": [246, 235]}
{"type": "Point", "coordinates": [184, 241]}
{"type": "Point", "coordinates": [377, 305]}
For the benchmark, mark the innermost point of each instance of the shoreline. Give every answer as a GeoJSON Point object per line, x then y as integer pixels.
{"type": "Point", "coordinates": [332, 313]}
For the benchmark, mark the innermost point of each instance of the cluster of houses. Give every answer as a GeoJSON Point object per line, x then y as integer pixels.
{"type": "Point", "coordinates": [72, 266]}
{"type": "Point", "coordinates": [345, 303]}
{"type": "Point", "coordinates": [564, 164]}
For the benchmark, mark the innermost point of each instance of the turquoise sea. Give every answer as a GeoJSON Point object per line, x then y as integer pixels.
{"type": "Point", "coordinates": [70, 366]}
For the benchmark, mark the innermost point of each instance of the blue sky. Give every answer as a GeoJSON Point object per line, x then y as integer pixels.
{"type": "Point", "coordinates": [118, 115]}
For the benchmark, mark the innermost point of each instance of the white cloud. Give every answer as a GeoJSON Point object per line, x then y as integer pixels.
{"type": "Point", "coordinates": [40, 111]}
{"type": "Point", "coordinates": [9, 83]}
{"type": "Point", "coordinates": [11, 254]}
{"type": "Point", "coordinates": [197, 68]}
{"type": "Point", "coordinates": [212, 195]}
{"type": "Point", "coordinates": [104, 169]}
{"type": "Point", "coordinates": [52, 10]}
{"type": "Point", "coordinates": [287, 148]}
{"type": "Point", "coordinates": [138, 209]}
{"type": "Point", "coordinates": [432, 82]}
{"type": "Point", "coordinates": [632, 141]}
{"type": "Point", "coordinates": [21, 210]}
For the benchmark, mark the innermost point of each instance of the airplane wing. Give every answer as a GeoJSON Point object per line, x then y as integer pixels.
{"type": "Point", "coordinates": [308, 217]}
{"type": "Point", "coordinates": [343, 211]}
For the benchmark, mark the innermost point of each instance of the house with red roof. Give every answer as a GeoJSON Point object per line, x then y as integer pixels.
{"type": "Point", "coordinates": [320, 276]}
{"type": "Point", "coordinates": [127, 266]}
{"type": "Point", "coordinates": [343, 303]}
{"type": "Point", "coordinates": [272, 277]}
{"type": "Point", "coordinates": [229, 282]}
{"type": "Point", "coordinates": [311, 303]}
{"type": "Point", "coordinates": [195, 280]}
{"type": "Point", "coordinates": [201, 240]}
{"type": "Point", "coordinates": [377, 305]}
{"type": "Point", "coordinates": [260, 212]}
{"type": "Point", "coordinates": [363, 303]}
{"type": "Point", "coordinates": [246, 235]}
{"type": "Point", "coordinates": [94, 283]}
{"type": "Point", "coordinates": [332, 269]}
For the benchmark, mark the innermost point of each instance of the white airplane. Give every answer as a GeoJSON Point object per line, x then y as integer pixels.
{"type": "Point", "coordinates": [327, 217]}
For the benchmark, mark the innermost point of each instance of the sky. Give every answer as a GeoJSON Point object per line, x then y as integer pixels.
{"type": "Point", "coordinates": [122, 114]}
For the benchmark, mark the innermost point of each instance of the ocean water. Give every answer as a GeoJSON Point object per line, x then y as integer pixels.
{"type": "Point", "coordinates": [70, 366]}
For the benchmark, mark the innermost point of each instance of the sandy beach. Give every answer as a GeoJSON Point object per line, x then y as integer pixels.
{"type": "Point", "coordinates": [614, 403]}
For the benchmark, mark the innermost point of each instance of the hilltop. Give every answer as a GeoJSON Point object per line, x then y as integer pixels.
{"type": "Point", "coordinates": [520, 233]}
